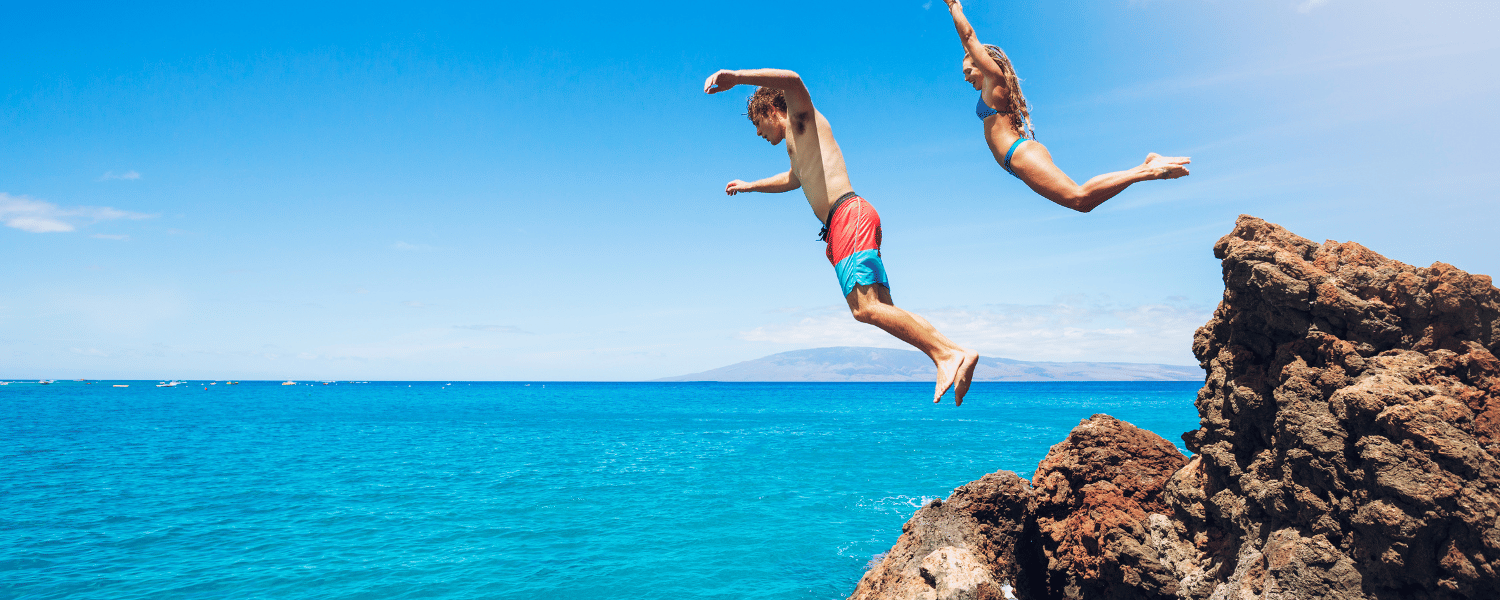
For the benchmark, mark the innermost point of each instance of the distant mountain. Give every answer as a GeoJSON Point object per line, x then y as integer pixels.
{"type": "Point", "coordinates": [847, 363]}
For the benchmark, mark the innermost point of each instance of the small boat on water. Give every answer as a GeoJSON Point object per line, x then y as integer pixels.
{"type": "Point", "coordinates": [122, 385]}
{"type": "Point", "coordinates": [46, 381]}
{"type": "Point", "coordinates": [173, 383]}
{"type": "Point", "coordinates": [231, 383]}
{"type": "Point", "coordinates": [288, 383]}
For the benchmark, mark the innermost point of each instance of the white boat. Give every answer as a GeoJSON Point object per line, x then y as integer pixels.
{"type": "Point", "coordinates": [45, 381]}
{"type": "Point", "coordinates": [288, 383]}
{"type": "Point", "coordinates": [122, 385]}
{"type": "Point", "coordinates": [173, 383]}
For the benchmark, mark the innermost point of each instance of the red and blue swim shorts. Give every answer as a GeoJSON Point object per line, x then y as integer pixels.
{"type": "Point", "coordinates": [853, 236]}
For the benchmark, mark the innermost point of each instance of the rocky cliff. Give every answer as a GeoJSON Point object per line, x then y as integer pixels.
{"type": "Point", "coordinates": [1349, 447]}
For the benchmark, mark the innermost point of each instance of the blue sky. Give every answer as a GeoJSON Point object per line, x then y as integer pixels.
{"type": "Point", "coordinates": [534, 191]}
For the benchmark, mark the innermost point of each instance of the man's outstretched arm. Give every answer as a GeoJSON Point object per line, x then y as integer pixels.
{"type": "Point", "coordinates": [774, 184]}
{"type": "Point", "coordinates": [789, 82]}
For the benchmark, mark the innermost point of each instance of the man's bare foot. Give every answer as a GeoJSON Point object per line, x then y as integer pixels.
{"type": "Point", "coordinates": [947, 372]}
{"type": "Point", "coordinates": [1166, 167]}
{"type": "Point", "coordinates": [965, 377]}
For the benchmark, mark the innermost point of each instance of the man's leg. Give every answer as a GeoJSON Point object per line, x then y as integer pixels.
{"type": "Point", "coordinates": [955, 364]}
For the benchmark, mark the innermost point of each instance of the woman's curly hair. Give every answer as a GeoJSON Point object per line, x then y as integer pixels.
{"type": "Point", "coordinates": [763, 102]}
{"type": "Point", "coordinates": [1020, 111]}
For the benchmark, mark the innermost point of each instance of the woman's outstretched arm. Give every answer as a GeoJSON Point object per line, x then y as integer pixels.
{"type": "Point", "coordinates": [970, 41]}
{"type": "Point", "coordinates": [1033, 164]}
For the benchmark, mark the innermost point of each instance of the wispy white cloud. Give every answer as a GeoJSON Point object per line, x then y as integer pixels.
{"type": "Point", "coordinates": [1086, 330]}
{"type": "Point", "coordinates": [494, 328]}
{"type": "Point", "coordinates": [37, 224]}
{"type": "Point", "coordinates": [1266, 73]}
{"type": "Point", "coordinates": [128, 175]}
{"type": "Point", "coordinates": [827, 326]}
{"type": "Point", "coordinates": [110, 236]}
{"type": "Point", "coordinates": [1307, 5]}
{"type": "Point", "coordinates": [37, 216]}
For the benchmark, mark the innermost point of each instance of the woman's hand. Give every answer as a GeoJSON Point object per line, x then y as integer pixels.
{"type": "Point", "coordinates": [1166, 167]}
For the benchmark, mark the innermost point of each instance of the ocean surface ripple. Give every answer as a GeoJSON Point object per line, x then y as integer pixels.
{"type": "Point", "coordinates": [502, 490]}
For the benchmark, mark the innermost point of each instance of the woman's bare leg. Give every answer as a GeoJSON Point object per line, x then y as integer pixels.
{"type": "Point", "coordinates": [1033, 164]}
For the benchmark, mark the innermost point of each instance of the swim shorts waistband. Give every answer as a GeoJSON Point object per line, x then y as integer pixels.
{"type": "Point", "coordinates": [823, 233]}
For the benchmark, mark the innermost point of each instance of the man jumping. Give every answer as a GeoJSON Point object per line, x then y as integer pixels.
{"type": "Point", "coordinates": [850, 226]}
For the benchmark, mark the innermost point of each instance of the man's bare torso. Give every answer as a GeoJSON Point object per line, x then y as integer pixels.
{"type": "Point", "coordinates": [816, 161]}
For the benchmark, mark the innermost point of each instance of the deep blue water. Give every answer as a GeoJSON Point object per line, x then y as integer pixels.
{"type": "Point", "coordinates": [499, 490]}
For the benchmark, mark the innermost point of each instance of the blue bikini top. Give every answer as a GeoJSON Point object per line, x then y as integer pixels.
{"type": "Point", "coordinates": [984, 111]}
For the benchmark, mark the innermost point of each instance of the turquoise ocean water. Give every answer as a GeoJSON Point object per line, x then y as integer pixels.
{"type": "Point", "coordinates": [501, 490]}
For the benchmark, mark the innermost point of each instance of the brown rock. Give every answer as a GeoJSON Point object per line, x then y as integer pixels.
{"type": "Point", "coordinates": [1084, 515]}
{"type": "Point", "coordinates": [1093, 493]}
{"type": "Point", "coordinates": [963, 548]}
{"type": "Point", "coordinates": [1349, 447]}
{"type": "Point", "coordinates": [1348, 436]}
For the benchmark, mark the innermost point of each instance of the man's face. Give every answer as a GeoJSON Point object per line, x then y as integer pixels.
{"type": "Point", "coordinates": [771, 128]}
{"type": "Point", "coordinates": [971, 73]}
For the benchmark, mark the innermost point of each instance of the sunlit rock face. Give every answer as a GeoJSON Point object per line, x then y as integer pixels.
{"type": "Point", "coordinates": [1349, 448]}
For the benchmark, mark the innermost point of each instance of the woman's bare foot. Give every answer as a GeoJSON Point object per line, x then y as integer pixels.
{"type": "Point", "coordinates": [965, 377]}
{"type": "Point", "coordinates": [1166, 167]}
{"type": "Point", "coordinates": [948, 370]}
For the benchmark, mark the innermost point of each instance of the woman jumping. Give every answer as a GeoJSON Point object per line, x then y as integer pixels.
{"type": "Point", "coordinates": [1007, 128]}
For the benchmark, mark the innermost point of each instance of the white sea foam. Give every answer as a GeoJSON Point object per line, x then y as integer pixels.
{"type": "Point", "coordinates": [901, 504]}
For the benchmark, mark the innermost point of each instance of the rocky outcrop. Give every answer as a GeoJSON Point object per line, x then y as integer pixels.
{"type": "Point", "coordinates": [1349, 447]}
{"type": "Point", "coordinates": [1081, 528]}
{"type": "Point", "coordinates": [1092, 497]}
{"type": "Point", "coordinates": [960, 549]}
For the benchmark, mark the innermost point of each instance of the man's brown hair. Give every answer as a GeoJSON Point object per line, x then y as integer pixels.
{"type": "Point", "coordinates": [763, 102]}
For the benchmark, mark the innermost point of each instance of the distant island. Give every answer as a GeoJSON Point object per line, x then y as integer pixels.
{"type": "Point", "coordinates": [855, 363]}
